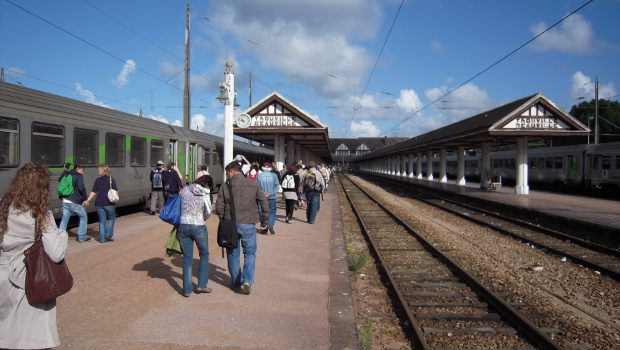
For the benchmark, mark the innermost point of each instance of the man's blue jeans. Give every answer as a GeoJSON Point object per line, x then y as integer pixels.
{"type": "Point", "coordinates": [78, 209]}
{"type": "Point", "coordinates": [247, 240]}
{"type": "Point", "coordinates": [273, 205]}
{"type": "Point", "coordinates": [312, 208]}
{"type": "Point", "coordinates": [107, 216]}
{"type": "Point", "coordinates": [188, 234]}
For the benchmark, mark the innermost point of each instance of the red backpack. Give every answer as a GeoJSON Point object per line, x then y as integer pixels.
{"type": "Point", "coordinates": [252, 174]}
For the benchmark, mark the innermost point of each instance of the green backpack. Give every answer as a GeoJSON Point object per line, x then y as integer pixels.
{"type": "Point", "coordinates": [65, 186]}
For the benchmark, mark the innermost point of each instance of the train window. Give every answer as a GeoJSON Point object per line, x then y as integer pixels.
{"type": "Point", "coordinates": [85, 147]}
{"type": "Point", "coordinates": [606, 162]}
{"type": "Point", "coordinates": [511, 163]}
{"type": "Point", "coordinates": [216, 158]}
{"type": "Point", "coordinates": [9, 142]}
{"type": "Point", "coordinates": [157, 151]}
{"type": "Point", "coordinates": [137, 154]}
{"type": "Point", "coordinates": [559, 163]}
{"type": "Point", "coordinates": [47, 144]}
{"type": "Point", "coordinates": [540, 163]}
{"type": "Point", "coordinates": [533, 163]}
{"type": "Point", "coordinates": [115, 149]}
{"type": "Point", "coordinates": [618, 162]}
{"type": "Point", "coordinates": [549, 163]}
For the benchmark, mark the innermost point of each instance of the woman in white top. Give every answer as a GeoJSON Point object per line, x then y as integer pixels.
{"type": "Point", "coordinates": [25, 326]}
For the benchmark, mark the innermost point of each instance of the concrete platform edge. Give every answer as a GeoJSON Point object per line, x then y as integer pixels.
{"type": "Point", "coordinates": [342, 329]}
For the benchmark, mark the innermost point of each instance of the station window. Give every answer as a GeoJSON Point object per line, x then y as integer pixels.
{"type": "Point", "coordinates": [157, 151]}
{"type": "Point", "coordinates": [115, 149]}
{"type": "Point", "coordinates": [48, 146]}
{"type": "Point", "coordinates": [549, 163]}
{"type": "Point", "coordinates": [558, 163]}
{"type": "Point", "coordinates": [9, 142]}
{"type": "Point", "coordinates": [137, 154]}
{"type": "Point", "coordinates": [606, 162]}
{"type": "Point", "coordinates": [85, 147]}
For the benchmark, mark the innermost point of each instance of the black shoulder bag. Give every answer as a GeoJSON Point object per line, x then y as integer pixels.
{"type": "Point", "coordinates": [227, 235]}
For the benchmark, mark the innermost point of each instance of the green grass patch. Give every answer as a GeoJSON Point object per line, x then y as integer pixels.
{"type": "Point", "coordinates": [366, 336]}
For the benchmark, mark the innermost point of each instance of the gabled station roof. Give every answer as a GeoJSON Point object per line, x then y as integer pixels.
{"type": "Point", "coordinates": [275, 115]}
{"type": "Point", "coordinates": [534, 116]}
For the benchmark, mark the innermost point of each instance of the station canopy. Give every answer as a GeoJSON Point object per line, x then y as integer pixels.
{"type": "Point", "coordinates": [533, 116]}
{"type": "Point", "coordinates": [274, 115]}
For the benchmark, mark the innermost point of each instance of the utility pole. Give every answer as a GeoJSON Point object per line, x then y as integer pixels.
{"type": "Point", "coordinates": [596, 131]}
{"type": "Point", "coordinates": [2, 75]}
{"type": "Point", "coordinates": [186, 106]}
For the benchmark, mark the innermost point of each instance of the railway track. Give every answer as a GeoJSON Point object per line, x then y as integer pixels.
{"type": "Point", "coordinates": [590, 255]}
{"type": "Point", "coordinates": [446, 306]}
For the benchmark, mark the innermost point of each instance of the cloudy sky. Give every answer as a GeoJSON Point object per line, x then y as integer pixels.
{"type": "Point", "coordinates": [363, 67]}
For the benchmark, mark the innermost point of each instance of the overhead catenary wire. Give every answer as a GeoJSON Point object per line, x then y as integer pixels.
{"type": "Point", "coordinates": [133, 31]}
{"type": "Point", "coordinates": [109, 99]}
{"type": "Point", "coordinates": [487, 68]}
{"type": "Point", "coordinates": [97, 47]}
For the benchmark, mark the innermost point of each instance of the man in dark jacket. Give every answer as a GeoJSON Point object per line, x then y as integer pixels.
{"type": "Point", "coordinates": [246, 194]}
{"type": "Point", "coordinates": [74, 204]}
{"type": "Point", "coordinates": [171, 180]}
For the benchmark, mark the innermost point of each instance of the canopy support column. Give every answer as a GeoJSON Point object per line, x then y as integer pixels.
{"type": "Point", "coordinates": [443, 178]}
{"type": "Point", "coordinates": [521, 186]}
{"type": "Point", "coordinates": [429, 165]}
{"type": "Point", "coordinates": [460, 170]}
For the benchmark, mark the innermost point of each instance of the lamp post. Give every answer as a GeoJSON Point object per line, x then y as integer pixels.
{"type": "Point", "coordinates": [227, 96]}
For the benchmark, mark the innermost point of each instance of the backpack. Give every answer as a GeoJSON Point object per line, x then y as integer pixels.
{"type": "Point", "coordinates": [157, 183]}
{"type": "Point", "coordinates": [288, 182]}
{"type": "Point", "coordinates": [252, 174]}
{"type": "Point", "coordinates": [324, 173]}
{"type": "Point", "coordinates": [310, 183]}
{"type": "Point", "coordinates": [65, 186]}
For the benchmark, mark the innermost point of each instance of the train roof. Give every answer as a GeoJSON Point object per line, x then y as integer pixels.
{"type": "Point", "coordinates": [27, 101]}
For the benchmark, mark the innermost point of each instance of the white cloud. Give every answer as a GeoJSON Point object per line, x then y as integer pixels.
{"type": "Point", "coordinates": [363, 128]}
{"type": "Point", "coordinates": [200, 80]}
{"type": "Point", "coordinates": [574, 35]}
{"type": "Point", "coordinates": [169, 69]}
{"type": "Point", "coordinates": [128, 68]}
{"type": "Point", "coordinates": [436, 46]}
{"type": "Point", "coordinates": [467, 101]}
{"type": "Point", "coordinates": [408, 101]}
{"type": "Point", "coordinates": [89, 96]}
{"type": "Point", "coordinates": [584, 86]}
{"type": "Point", "coordinates": [213, 126]}
{"type": "Point", "coordinates": [306, 40]}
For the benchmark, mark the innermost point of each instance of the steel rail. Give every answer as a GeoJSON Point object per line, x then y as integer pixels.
{"type": "Point", "coordinates": [417, 330]}
{"type": "Point", "coordinates": [615, 274]}
{"type": "Point", "coordinates": [526, 328]}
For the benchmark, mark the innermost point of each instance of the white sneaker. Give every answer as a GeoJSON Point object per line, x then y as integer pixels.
{"type": "Point", "coordinates": [246, 288]}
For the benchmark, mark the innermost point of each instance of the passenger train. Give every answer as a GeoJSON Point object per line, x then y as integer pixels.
{"type": "Point", "coordinates": [50, 130]}
{"type": "Point", "coordinates": [588, 166]}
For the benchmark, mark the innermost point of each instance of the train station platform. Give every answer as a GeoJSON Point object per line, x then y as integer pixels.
{"type": "Point", "coordinates": [599, 211]}
{"type": "Point", "coordinates": [127, 293]}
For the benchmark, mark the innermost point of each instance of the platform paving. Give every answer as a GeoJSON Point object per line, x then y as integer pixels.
{"type": "Point", "coordinates": [127, 293]}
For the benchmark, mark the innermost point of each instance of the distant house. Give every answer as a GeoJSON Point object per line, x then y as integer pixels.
{"type": "Point", "coordinates": [346, 149]}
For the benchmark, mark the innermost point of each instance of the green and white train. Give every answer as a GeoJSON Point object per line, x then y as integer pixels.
{"type": "Point", "coordinates": [50, 130]}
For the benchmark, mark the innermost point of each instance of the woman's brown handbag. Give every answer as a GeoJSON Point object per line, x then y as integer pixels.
{"type": "Point", "coordinates": [45, 279]}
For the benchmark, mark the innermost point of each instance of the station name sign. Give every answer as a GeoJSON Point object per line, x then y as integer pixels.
{"type": "Point", "coordinates": [535, 123]}
{"type": "Point", "coordinates": [276, 120]}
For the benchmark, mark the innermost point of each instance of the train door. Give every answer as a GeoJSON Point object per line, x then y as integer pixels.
{"type": "Point", "coordinates": [172, 151]}
{"type": "Point", "coordinates": [192, 161]}
{"type": "Point", "coordinates": [572, 165]}
{"type": "Point", "coordinates": [182, 158]}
